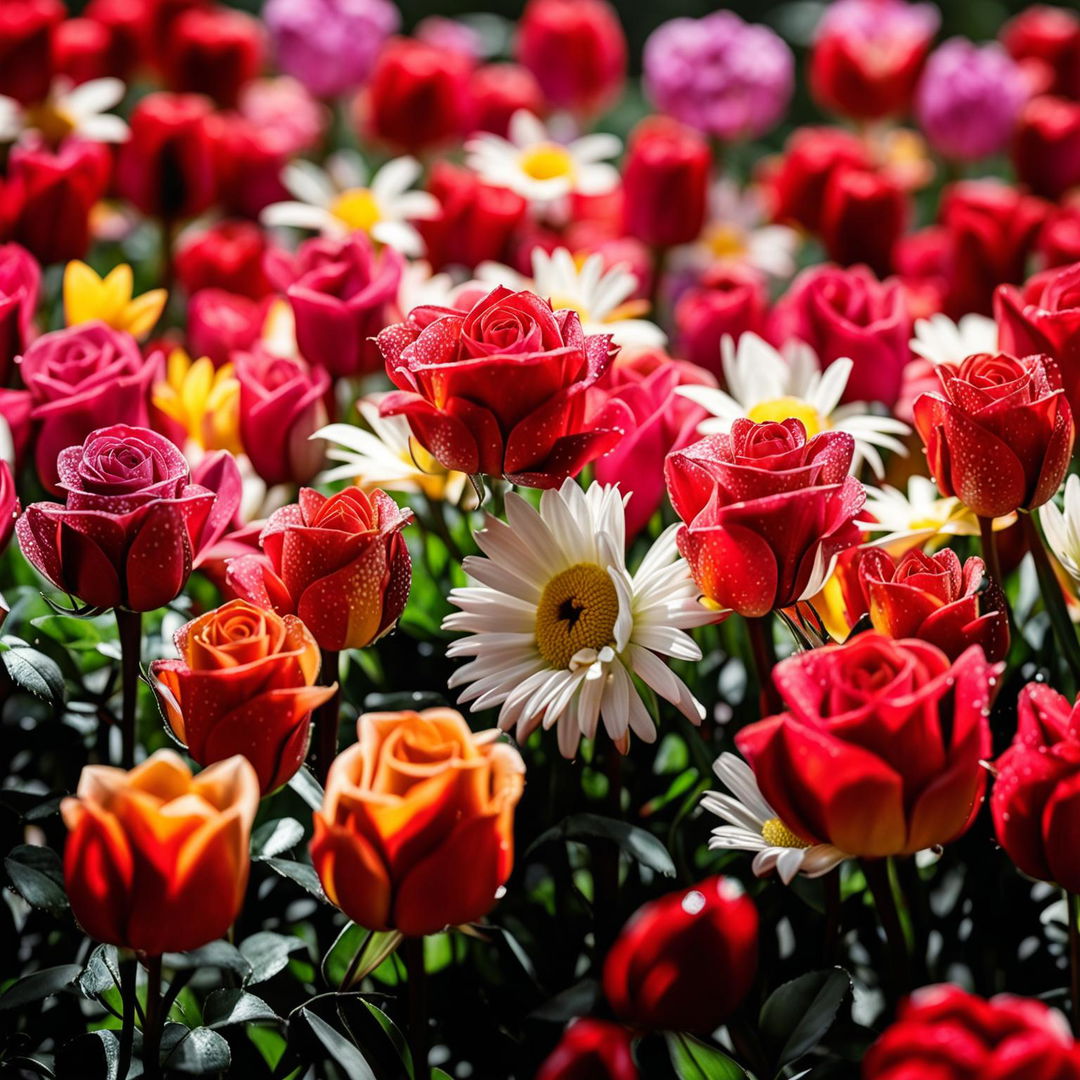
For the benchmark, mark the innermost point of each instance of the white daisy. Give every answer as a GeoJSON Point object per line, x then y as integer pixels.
{"type": "Point", "coordinates": [764, 384]}
{"type": "Point", "coordinates": [339, 200]}
{"type": "Point", "coordinates": [540, 168]}
{"type": "Point", "coordinates": [753, 825]}
{"type": "Point", "coordinates": [736, 233]}
{"type": "Point", "coordinates": [421, 288]}
{"type": "Point", "coordinates": [1063, 529]}
{"type": "Point", "coordinates": [558, 627]}
{"type": "Point", "coordinates": [600, 297]}
{"type": "Point", "coordinates": [941, 341]}
{"type": "Point", "coordinates": [68, 110]}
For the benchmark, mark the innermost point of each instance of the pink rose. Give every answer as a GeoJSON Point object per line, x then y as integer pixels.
{"type": "Point", "coordinates": [20, 285]}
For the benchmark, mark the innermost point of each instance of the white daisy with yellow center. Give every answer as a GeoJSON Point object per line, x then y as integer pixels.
{"type": "Point", "coordinates": [68, 110]}
{"type": "Point", "coordinates": [753, 825]}
{"type": "Point", "coordinates": [1063, 529]}
{"type": "Point", "coordinates": [941, 341]}
{"type": "Point", "coordinates": [764, 384]}
{"type": "Point", "coordinates": [558, 628]}
{"type": "Point", "coordinates": [736, 232]}
{"type": "Point", "coordinates": [540, 168]}
{"type": "Point", "coordinates": [340, 200]}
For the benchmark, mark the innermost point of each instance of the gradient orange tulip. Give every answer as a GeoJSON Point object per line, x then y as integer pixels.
{"type": "Point", "coordinates": [156, 859]}
{"type": "Point", "coordinates": [416, 828]}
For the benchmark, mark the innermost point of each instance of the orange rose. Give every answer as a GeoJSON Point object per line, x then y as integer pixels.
{"type": "Point", "coordinates": [244, 684]}
{"type": "Point", "coordinates": [416, 828]}
{"type": "Point", "coordinates": [156, 859]}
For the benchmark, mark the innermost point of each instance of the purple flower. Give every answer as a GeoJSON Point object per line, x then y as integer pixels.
{"type": "Point", "coordinates": [719, 74]}
{"type": "Point", "coordinates": [329, 45]}
{"type": "Point", "coordinates": [969, 99]}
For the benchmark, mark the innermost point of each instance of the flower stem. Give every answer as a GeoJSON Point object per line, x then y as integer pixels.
{"type": "Point", "coordinates": [326, 717]}
{"type": "Point", "coordinates": [877, 877]}
{"type": "Point", "coordinates": [413, 951]}
{"type": "Point", "coordinates": [764, 649]}
{"type": "Point", "coordinates": [154, 1021]}
{"type": "Point", "coordinates": [129, 969]}
{"type": "Point", "coordinates": [129, 627]}
{"type": "Point", "coordinates": [989, 549]}
{"type": "Point", "coordinates": [1073, 901]}
{"type": "Point", "coordinates": [1053, 599]}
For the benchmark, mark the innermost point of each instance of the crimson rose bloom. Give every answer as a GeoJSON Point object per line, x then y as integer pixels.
{"type": "Point", "coordinates": [1034, 800]}
{"type": "Point", "coordinates": [501, 389]}
{"type": "Point", "coordinates": [661, 972]}
{"type": "Point", "coordinates": [934, 598]}
{"type": "Point", "coordinates": [999, 434]}
{"type": "Point", "coordinates": [132, 525]}
{"type": "Point", "coordinates": [591, 1050]}
{"type": "Point", "coordinates": [945, 1033]}
{"type": "Point", "coordinates": [766, 511]}
{"type": "Point", "coordinates": [880, 752]}
{"type": "Point", "coordinates": [340, 563]}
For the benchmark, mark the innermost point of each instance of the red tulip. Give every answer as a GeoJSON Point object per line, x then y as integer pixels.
{"type": "Point", "coordinates": [766, 512]}
{"type": "Point", "coordinates": [880, 752]}
{"type": "Point", "coordinates": [1059, 239]}
{"type": "Point", "coordinates": [26, 29]}
{"type": "Point", "coordinates": [591, 1050]}
{"type": "Point", "coordinates": [500, 90]}
{"type": "Point", "coordinates": [863, 216]}
{"type": "Point", "coordinates": [1046, 150]}
{"type": "Point", "coordinates": [661, 972]}
{"type": "Point", "coordinates": [126, 22]}
{"type": "Point", "coordinates": [1000, 433]}
{"type": "Point", "coordinates": [213, 52]}
{"type": "Point", "coordinates": [81, 50]}
{"type": "Point", "coordinates": [226, 256]}
{"type": "Point", "coordinates": [730, 300]}
{"type": "Point", "coordinates": [248, 162]}
{"type": "Point", "coordinates": [221, 323]}
{"type": "Point", "coordinates": [1046, 40]}
{"type": "Point", "coordinates": [20, 286]}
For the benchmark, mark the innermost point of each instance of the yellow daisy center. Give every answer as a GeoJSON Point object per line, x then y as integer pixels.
{"type": "Point", "coordinates": [786, 408]}
{"type": "Point", "coordinates": [726, 241]}
{"type": "Point", "coordinates": [562, 303]}
{"type": "Point", "coordinates": [577, 610]}
{"type": "Point", "coordinates": [358, 209]}
{"type": "Point", "coordinates": [54, 123]}
{"type": "Point", "coordinates": [776, 834]}
{"type": "Point", "coordinates": [547, 161]}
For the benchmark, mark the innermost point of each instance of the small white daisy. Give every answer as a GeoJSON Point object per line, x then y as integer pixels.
{"type": "Point", "coordinates": [68, 110]}
{"type": "Point", "coordinates": [538, 167]}
{"type": "Point", "coordinates": [600, 296]}
{"type": "Point", "coordinates": [558, 627]}
{"type": "Point", "coordinates": [764, 384]}
{"type": "Point", "coordinates": [736, 233]}
{"type": "Point", "coordinates": [941, 341]}
{"type": "Point", "coordinates": [1063, 529]}
{"type": "Point", "coordinates": [753, 825]}
{"type": "Point", "coordinates": [421, 288]}
{"type": "Point", "coordinates": [339, 200]}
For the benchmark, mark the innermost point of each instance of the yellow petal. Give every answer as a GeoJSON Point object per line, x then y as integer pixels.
{"type": "Point", "coordinates": [82, 293]}
{"type": "Point", "coordinates": [143, 312]}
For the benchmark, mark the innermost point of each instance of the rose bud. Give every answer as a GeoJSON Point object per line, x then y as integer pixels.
{"type": "Point", "coordinates": [213, 52]}
{"type": "Point", "coordinates": [221, 323]}
{"type": "Point", "coordinates": [577, 51]}
{"type": "Point", "coordinates": [245, 684]}
{"type": "Point", "coordinates": [867, 55]}
{"type": "Point", "coordinates": [282, 404]}
{"type": "Point", "coordinates": [77, 380]}
{"type": "Point", "coordinates": [661, 972]}
{"type": "Point", "coordinates": [80, 50]}
{"type": "Point", "coordinates": [50, 194]}
{"type": "Point", "coordinates": [850, 313]}
{"type": "Point", "coordinates": [341, 303]}
{"type": "Point", "coordinates": [475, 223]}
{"type": "Point", "coordinates": [340, 563]}
{"type": "Point", "coordinates": [999, 433]}
{"type": "Point", "coordinates": [944, 1033]}
{"type": "Point", "coordinates": [418, 96]}
{"type": "Point", "coordinates": [766, 511]}
{"type": "Point", "coordinates": [26, 29]}
{"type": "Point", "coordinates": [666, 182]}
{"type": "Point", "coordinates": [880, 752]}
{"type": "Point", "coordinates": [1033, 801]}
{"type": "Point", "coordinates": [729, 301]}
{"type": "Point", "coordinates": [20, 287]}
{"type": "Point", "coordinates": [500, 90]}
{"type": "Point", "coordinates": [863, 216]}
{"type": "Point", "coordinates": [166, 168]}
{"type": "Point", "coordinates": [502, 388]}
{"type": "Point", "coordinates": [1046, 40]}
{"type": "Point", "coordinates": [132, 526]}
{"type": "Point", "coordinates": [416, 829]}
{"type": "Point", "coordinates": [156, 860]}
{"type": "Point", "coordinates": [591, 1050]}
{"type": "Point", "coordinates": [1046, 151]}
{"type": "Point", "coordinates": [9, 505]}
{"type": "Point", "coordinates": [226, 256]}
{"type": "Point", "coordinates": [935, 599]}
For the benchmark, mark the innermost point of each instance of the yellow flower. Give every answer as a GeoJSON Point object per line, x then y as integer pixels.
{"type": "Point", "coordinates": [88, 297]}
{"type": "Point", "coordinates": [205, 402]}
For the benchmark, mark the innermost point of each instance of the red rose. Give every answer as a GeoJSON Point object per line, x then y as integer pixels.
{"type": "Point", "coordinates": [26, 28]}
{"type": "Point", "coordinates": [500, 90]}
{"type": "Point", "coordinates": [945, 1033]}
{"type": "Point", "coordinates": [577, 51]}
{"type": "Point", "coordinates": [766, 511]}
{"type": "Point", "coordinates": [666, 182]}
{"type": "Point", "coordinates": [591, 1050]}
{"type": "Point", "coordinates": [9, 504]}
{"type": "Point", "coordinates": [863, 215]}
{"type": "Point", "coordinates": [221, 323]}
{"type": "Point", "coordinates": [340, 563]}
{"type": "Point", "coordinates": [226, 256]}
{"type": "Point", "coordinates": [282, 403]}
{"type": "Point", "coordinates": [502, 388]}
{"type": "Point", "coordinates": [1046, 150]}
{"type": "Point", "coordinates": [880, 751]}
{"type": "Point", "coordinates": [661, 972]}
{"type": "Point", "coordinates": [935, 599]}
{"type": "Point", "coordinates": [1000, 433]}
{"type": "Point", "coordinates": [728, 301]}
{"type": "Point", "coordinates": [850, 313]}
{"type": "Point", "coordinates": [132, 526]}
{"type": "Point", "coordinates": [1046, 40]}
{"type": "Point", "coordinates": [244, 684]}
{"type": "Point", "coordinates": [213, 52]}
{"type": "Point", "coordinates": [20, 286]}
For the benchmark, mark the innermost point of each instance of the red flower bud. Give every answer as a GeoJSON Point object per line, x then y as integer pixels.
{"type": "Point", "coordinates": [1046, 40]}
{"type": "Point", "coordinates": [730, 300]}
{"type": "Point", "coordinates": [213, 52]}
{"type": "Point", "coordinates": [500, 90]}
{"type": "Point", "coordinates": [26, 28]}
{"type": "Point", "coordinates": [863, 216]}
{"type": "Point", "coordinates": [591, 1050]}
{"type": "Point", "coordinates": [1046, 150]}
{"type": "Point", "coordinates": [226, 256]}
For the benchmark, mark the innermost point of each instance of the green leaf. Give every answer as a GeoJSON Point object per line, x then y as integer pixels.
{"type": "Point", "coordinates": [638, 843]}
{"type": "Point", "coordinates": [276, 837]}
{"type": "Point", "coordinates": [267, 953]}
{"type": "Point", "coordinates": [225, 1007]}
{"type": "Point", "coordinates": [39, 985]}
{"type": "Point", "coordinates": [102, 971]}
{"type": "Point", "coordinates": [94, 1054]}
{"type": "Point", "coordinates": [38, 877]}
{"type": "Point", "coordinates": [339, 1048]}
{"type": "Point", "coordinates": [33, 672]}
{"type": "Point", "coordinates": [302, 873]}
{"type": "Point", "coordinates": [576, 1000]}
{"type": "Point", "coordinates": [797, 1015]}
{"type": "Point", "coordinates": [358, 951]}
{"type": "Point", "coordinates": [218, 954]}
{"type": "Point", "coordinates": [695, 1060]}
{"type": "Point", "coordinates": [197, 1052]}
{"type": "Point", "coordinates": [307, 787]}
